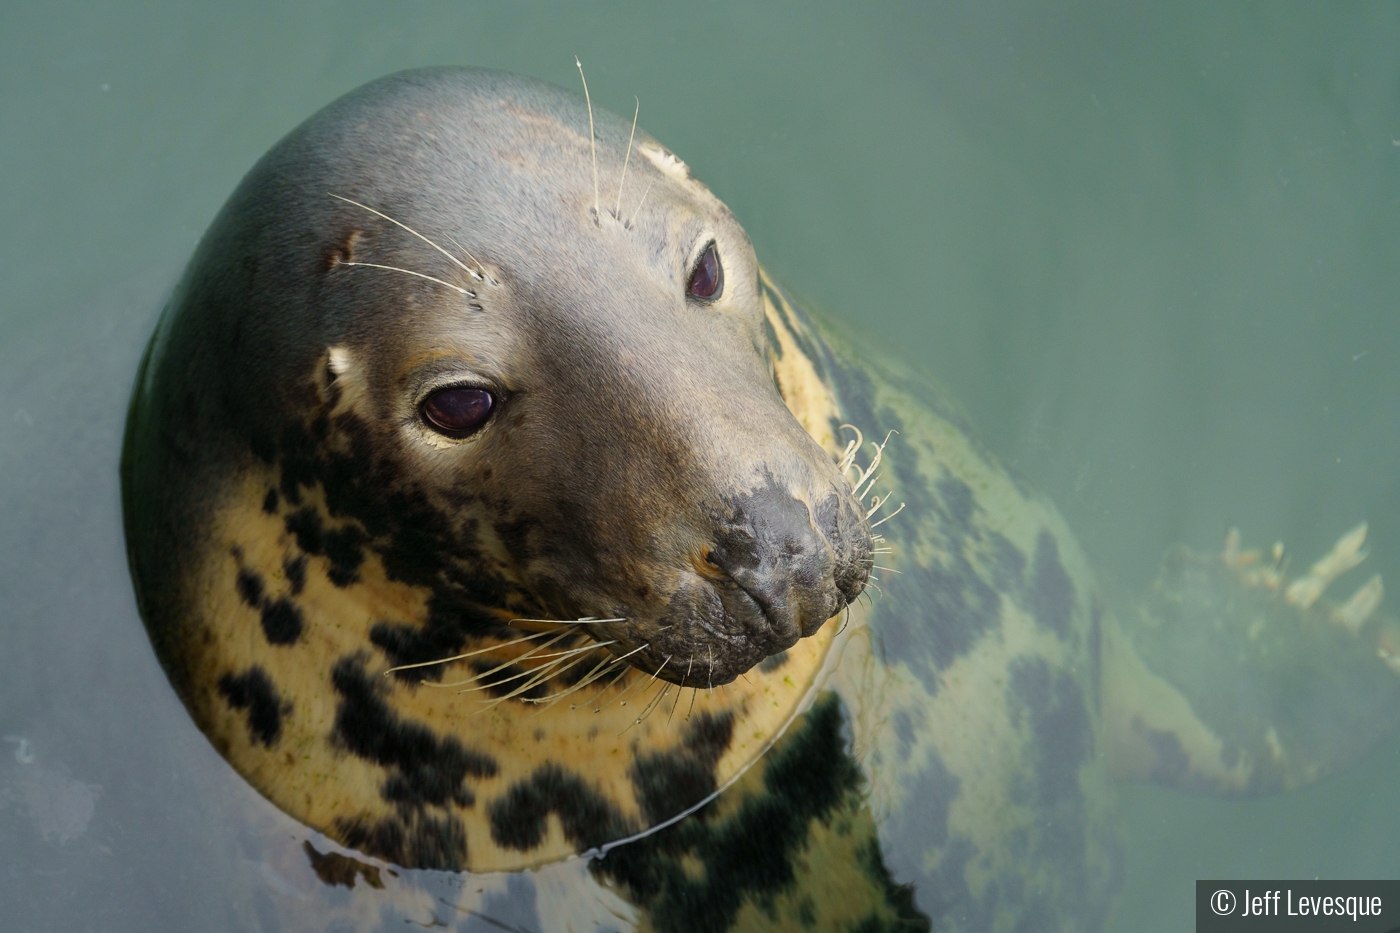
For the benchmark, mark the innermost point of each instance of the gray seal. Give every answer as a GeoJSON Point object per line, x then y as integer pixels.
{"type": "Point", "coordinates": [467, 370]}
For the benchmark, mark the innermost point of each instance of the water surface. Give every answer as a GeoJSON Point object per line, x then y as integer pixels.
{"type": "Point", "coordinates": [1154, 249]}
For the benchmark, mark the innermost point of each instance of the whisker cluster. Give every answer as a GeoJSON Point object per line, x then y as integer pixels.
{"type": "Point", "coordinates": [477, 272]}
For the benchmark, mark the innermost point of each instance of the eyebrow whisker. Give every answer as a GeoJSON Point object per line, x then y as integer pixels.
{"type": "Point", "coordinates": [617, 211]}
{"type": "Point", "coordinates": [430, 278]}
{"type": "Point", "coordinates": [593, 141]}
{"type": "Point", "coordinates": [461, 265]}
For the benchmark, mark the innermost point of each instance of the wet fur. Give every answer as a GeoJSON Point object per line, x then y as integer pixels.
{"type": "Point", "coordinates": [949, 772]}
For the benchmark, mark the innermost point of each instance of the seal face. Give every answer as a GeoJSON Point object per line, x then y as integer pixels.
{"type": "Point", "coordinates": [424, 394]}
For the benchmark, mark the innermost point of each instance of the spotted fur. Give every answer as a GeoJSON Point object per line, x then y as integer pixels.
{"type": "Point", "coordinates": [306, 553]}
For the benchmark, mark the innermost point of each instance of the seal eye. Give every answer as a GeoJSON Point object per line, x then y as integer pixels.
{"type": "Point", "coordinates": [707, 281]}
{"type": "Point", "coordinates": [457, 410]}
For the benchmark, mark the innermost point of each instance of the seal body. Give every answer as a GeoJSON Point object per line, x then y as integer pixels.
{"type": "Point", "coordinates": [486, 508]}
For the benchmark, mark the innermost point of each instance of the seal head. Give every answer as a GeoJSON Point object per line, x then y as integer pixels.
{"type": "Point", "coordinates": [431, 372]}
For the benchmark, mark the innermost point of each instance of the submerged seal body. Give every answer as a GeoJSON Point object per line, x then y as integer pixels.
{"type": "Point", "coordinates": [487, 504]}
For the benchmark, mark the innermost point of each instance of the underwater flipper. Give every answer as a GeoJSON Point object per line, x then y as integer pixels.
{"type": "Point", "coordinates": [1237, 680]}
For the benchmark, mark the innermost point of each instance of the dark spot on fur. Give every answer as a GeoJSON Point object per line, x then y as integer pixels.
{"type": "Point", "coordinates": [1061, 740]}
{"type": "Point", "coordinates": [1008, 564]}
{"type": "Point", "coordinates": [935, 788]}
{"type": "Point", "coordinates": [413, 838]}
{"type": "Point", "coordinates": [944, 895]}
{"type": "Point", "coordinates": [809, 777]}
{"type": "Point", "coordinates": [345, 549]}
{"type": "Point", "coordinates": [805, 345]}
{"type": "Point", "coordinates": [444, 633]}
{"type": "Point", "coordinates": [934, 614]}
{"type": "Point", "coordinates": [1051, 594]}
{"type": "Point", "coordinates": [383, 838]}
{"type": "Point", "coordinates": [672, 781]}
{"type": "Point", "coordinates": [305, 525]}
{"type": "Point", "coordinates": [424, 769]}
{"type": "Point", "coordinates": [281, 621]}
{"type": "Point", "coordinates": [938, 610]}
{"type": "Point", "coordinates": [420, 543]}
{"type": "Point", "coordinates": [904, 731]}
{"type": "Point", "coordinates": [253, 691]}
{"type": "Point", "coordinates": [923, 826]}
{"type": "Point", "coordinates": [900, 897]}
{"type": "Point", "coordinates": [774, 661]}
{"type": "Point", "coordinates": [958, 506]}
{"type": "Point", "coordinates": [295, 569]}
{"type": "Point", "coordinates": [587, 816]}
{"type": "Point", "coordinates": [774, 344]}
{"type": "Point", "coordinates": [250, 587]}
{"type": "Point", "coordinates": [270, 502]}
{"type": "Point", "coordinates": [339, 870]}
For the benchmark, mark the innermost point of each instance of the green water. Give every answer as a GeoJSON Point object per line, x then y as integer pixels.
{"type": "Point", "coordinates": [1153, 249]}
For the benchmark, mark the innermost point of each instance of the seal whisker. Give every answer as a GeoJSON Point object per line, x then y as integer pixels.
{"type": "Point", "coordinates": [430, 278]}
{"type": "Point", "coordinates": [663, 691]}
{"type": "Point", "coordinates": [479, 273]}
{"type": "Point", "coordinates": [542, 674]}
{"type": "Point", "coordinates": [653, 703]}
{"type": "Point", "coordinates": [845, 621]}
{"type": "Point", "coordinates": [694, 692]}
{"type": "Point", "coordinates": [495, 683]}
{"type": "Point", "coordinates": [586, 620]}
{"type": "Point", "coordinates": [593, 141]}
{"type": "Point", "coordinates": [608, 686]}
{"type": "Point", "coordinates": [636, 211]}
{"type": "Point", "coordinates": [848, 456]}
{"type": "Point", "coordinates": [858, 492]}
{"type": "Point", "coordinates": [624, 692]}
{"type": "Point", "coordinates": [679, 692]}
{"type": "Point", "coordinates": [617, 212]}
{"type": "Point", "coordinates": [648, 683]}
{"type": "Point", "coordinates": [656, 703]}
{"type": "Point", "coordinates": [531, 653]}
{"type": "Point", "coordinates": [889, 516]}
{"type": "Point", "coordinates": [876, 503]}
{"type": "Point", "coordinates": [469, 654]}
{"type": "Point", "coordinates": [869, 470]}
{"type": "Point", "coordinates": [598, 671]}
{"type": "Point", "coordinates": [461, 265]}
{"type": "Point", "coordinates": [545, 673]}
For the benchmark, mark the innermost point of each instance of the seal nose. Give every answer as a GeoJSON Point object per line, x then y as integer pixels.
{"type": "Point", "coordinates": [770, 549]}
